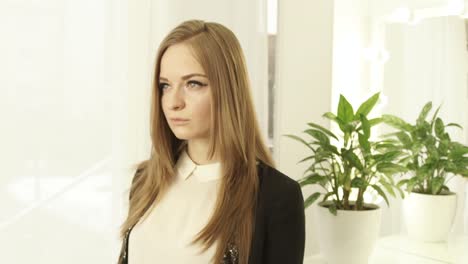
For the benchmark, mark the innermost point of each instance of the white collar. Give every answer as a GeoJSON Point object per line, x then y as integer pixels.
{"type": "Point", "coordinates": [186, 167]}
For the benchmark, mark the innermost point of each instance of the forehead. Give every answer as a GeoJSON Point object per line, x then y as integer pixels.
{"type": "Point", "coordinates": [178, 60]}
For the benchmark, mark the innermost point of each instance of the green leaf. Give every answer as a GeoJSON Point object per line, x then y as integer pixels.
{"type": "Point", "coordinates": [381, 193]}
{"type": "Point", "coordinates": [437, 184]}
{"type": "Point", "coordinates": [445, 188]}
{"type": "Point", "coordinates": [330, 115]}
{"type": "Point", "coordinates": [306, 158]}
{"type": "Point", "coordinates": [402, 182]}
{"type": "Point", "coordinates": [367, 106]}
{"type": "Point", "coordinates": [364, 142]}
{"type": "Point", "coordinates": [389, 177]}
{"type": "Point", "coordinates": [446, 136]}
{"type": "Point", "coordinates": [345, 110]}
{"type": "Point", "coordinates": [313, 169]}
{"type": "Point", "coordinates": [397, 123]}
{"type": "Point", "coordinates": [388, 187]}
{"type": "Point", "coordinates": [334, 118]}
{"type": "Point", "coordinates": [387, 167]}
{"type": "Point", "coordinates": [423, 115]}
{"type": "Point", "coordinates": [312, 179]}
{"type": "Point", "coordinates": [331, 148]}
{"type": "Point", "coordinates": [324, 130]}
{"type": "Point", "coordinates": [353, 159]}
{"type": "Point", "coordinates": [434, 116]}
{"type": "Point", "coordinates": [391, 155]}
{"type": "Point", "coordinates": [387, 146]}
{"type": "Point", "coordinates": [455, 125]}
{"type": "Point", "coordinates": [365, 126]}
{"type": "Point", "coordinates": [322, 155]}
{"type": "Point", "coordinates": [443, 147]}
{"type": "Point", "coordinates": [439, 127]}
{"type": "Point", "coordinates": [457, 150]}
{"type": "Point", "coordinates": [300, 140]}
{"type": "Point", "coordinates": [402, 194]}
{"type": "Point", "coordinates": [311, 199]}
{"type": "Point", "coordinates": [375, 121]}
{"type": "Point", "coordinates": [404, 138]}
{"type": "Point", "coordinates": [325, 197]}
{"type": "Point", "coordinates": [319, 135]}
{"type": "Point", "coordinates": [405, 160]}
{"type": "Point", "coordinates": [463, 173]}
{"type": "Point", "coordinates": [358, 182]}
{"type": "Point", "coordinates": [332, 209]}
{"type": "Point", "coordinates": [411, 183]}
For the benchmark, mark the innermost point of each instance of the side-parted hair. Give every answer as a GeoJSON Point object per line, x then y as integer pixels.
{"type": "Point", "coordinates": [235, 136]}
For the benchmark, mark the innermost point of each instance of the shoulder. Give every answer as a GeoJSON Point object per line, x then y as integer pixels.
{"type": "Point", "coordinates": [278, 189]}
{"type": "Point", "coordinates": [273, 180]}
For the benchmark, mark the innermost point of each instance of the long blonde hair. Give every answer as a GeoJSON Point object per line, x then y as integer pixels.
{"type": "Point", "coordinates": [235, 136]}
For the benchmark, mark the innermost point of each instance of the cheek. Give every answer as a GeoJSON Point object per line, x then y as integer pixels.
{"type": "Point", "coordinates": [203, 108]}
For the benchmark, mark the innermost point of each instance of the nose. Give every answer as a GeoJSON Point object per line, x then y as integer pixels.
{"type": "Point", "coordinates": [176, 99]}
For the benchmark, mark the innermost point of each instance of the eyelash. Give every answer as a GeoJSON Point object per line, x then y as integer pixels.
{"type": "Point", "coordinates": [162, 85]}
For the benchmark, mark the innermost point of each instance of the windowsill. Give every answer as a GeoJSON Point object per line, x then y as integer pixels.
{"type": "Point", "coordinates": [399, 249]}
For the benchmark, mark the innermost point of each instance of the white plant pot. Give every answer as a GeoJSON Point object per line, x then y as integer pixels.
{"type": "Point", "coordinates": [429, 218]}
{"type": "Point", "coordinates": [465, 210]}
{"type": "Point", "coordinates": [350, 236]}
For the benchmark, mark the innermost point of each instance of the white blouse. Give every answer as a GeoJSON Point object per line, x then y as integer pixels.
{"type": "Point", "coordinates": [164, 233]}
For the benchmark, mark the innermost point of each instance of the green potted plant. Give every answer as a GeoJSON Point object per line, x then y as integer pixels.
{"type": "Point", "coordinates": [432, 159]}
{"type": "Point", "coordinates": [346, 165]}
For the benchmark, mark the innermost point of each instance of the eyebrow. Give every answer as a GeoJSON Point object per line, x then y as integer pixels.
{"type": "Point", "coordinates": [185, 77]}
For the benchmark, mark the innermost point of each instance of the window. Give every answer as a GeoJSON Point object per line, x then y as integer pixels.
{"type": "Point", "coordinates": [272, 16]}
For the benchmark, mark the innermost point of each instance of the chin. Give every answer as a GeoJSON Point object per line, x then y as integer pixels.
{"type": "Point", "coordinates": [182, 136]}
{"type": "Point", "coordinates": [186, 136]}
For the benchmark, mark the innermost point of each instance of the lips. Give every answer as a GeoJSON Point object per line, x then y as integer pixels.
{"type": "Point", "coordinates": [179, 119]}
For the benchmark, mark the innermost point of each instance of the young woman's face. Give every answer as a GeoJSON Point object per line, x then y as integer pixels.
{"type": "Point", "coordinates": [185, 94]}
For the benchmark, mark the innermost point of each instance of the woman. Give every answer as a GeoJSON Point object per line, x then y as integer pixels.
{"type": "Point", "coordinates": [209, 192]}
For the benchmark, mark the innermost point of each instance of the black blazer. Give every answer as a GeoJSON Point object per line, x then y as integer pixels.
{"type": "Point", "coordinates": [279, 234]}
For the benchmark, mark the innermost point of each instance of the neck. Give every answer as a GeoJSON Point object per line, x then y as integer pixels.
{"type": "Point", "coordinates": [197, 149]}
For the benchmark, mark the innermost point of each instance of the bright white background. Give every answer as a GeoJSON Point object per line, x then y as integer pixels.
{"type": "Point", "coordinates": [75, 80]}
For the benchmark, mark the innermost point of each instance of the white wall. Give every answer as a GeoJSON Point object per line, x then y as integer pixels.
{"type": "Point", "coordinates": [304, 79]}
{"type": "Point", "coordinates": [351, 38]}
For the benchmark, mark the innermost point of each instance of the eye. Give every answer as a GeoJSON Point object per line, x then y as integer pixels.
{"type": "Point", "coordinates": [195, 84]}
{"type": "Point", "coordinates": [163, 85]}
